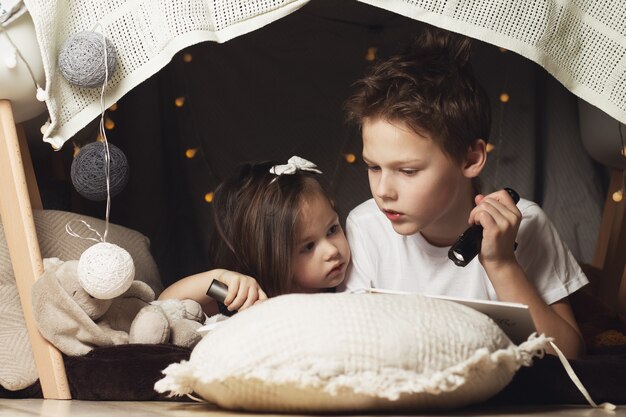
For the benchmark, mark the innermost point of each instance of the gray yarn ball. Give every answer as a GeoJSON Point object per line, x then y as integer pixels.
{"type": "Point", "coordinates": [88, 173]}
{"type": "Point", "coordinates": [81, 60]}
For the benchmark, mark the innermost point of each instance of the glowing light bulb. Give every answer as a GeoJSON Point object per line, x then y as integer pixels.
{"type": "Point", "coordinates": [490, 147]}
{"type": "Point", "coordinates": [187, 57]}
{"type": "Point", "coordinates": [370, 55]}
{"type": "Point", "coordinates": [504, 97]}
{"type": "Point", "coordinates": [208, 197]}
{"type": "Point", "coordinates": [180, 102]}
{"type": "Point", "coordinates": [618, 196]}
{"type": "Point", "coordinates": [191, 152]}
{"type": "Point", "coordinates": [109, 124]}
{"type": "Point", "coordinates": [350, 158]}
{"type": "Point", "coordinates": [113, 107]}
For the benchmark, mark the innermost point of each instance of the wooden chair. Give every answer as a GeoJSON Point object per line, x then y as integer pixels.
{"type": "Point", "coordinates": [19, 195]}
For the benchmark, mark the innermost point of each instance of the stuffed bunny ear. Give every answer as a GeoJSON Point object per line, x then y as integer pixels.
{"type": "Point", "coordinates": [166, 321]}
{"type": "Point", "coordinates": [181, 309]}
{"type": "Point", "coordinates": [141, 290]}
{"type": "Point", "coordinates": [185, 333]}
{"type": "Point", "coordinates": [67, 276]}
{"type": "Point", "coordinates": [193, 311]}
{"type": "Point", "coordinates": [60, 318]}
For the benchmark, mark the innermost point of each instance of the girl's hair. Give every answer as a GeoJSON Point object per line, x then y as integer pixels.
{"type": "Point", "coordinates": [255, 215]}
{"type": "Point", "coordinates": [431, 88]}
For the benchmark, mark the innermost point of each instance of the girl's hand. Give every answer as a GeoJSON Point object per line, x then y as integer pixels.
{"type": "Point", "coordinates": [243, 291]}
{"type": "Point", "coordinates": [500, 219]}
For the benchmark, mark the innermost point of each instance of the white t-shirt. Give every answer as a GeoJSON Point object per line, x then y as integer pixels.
{"type": "Point", "coordinates": [382, 258]}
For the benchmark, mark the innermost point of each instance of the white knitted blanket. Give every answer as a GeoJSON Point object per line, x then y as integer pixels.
{"type": "Point", "coordinates": [146, 35]}
{"type": "Point", "coordinates": [581, 42]}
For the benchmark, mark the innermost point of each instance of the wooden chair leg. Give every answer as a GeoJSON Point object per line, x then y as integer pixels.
{"type": "Point", "coordinates": [610, 252]}
{"type": "Point", "coordinates": [621, 299]}
{"type": "Point", "coordinates": [29, 171]}
{"type": "Point", "coordinates": [611, 220]}
{"type": "Point", "coordinates": [16, 181]}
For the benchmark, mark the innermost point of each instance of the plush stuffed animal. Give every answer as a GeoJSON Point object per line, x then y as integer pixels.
{"type": "Point", "coordinates": [172, 321]}
{"type": "Point", "coordinates": [76, 322]}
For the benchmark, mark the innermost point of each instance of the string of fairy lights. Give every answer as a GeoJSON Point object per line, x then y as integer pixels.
{"type": "Point", "coordinates": [504, 98]}
{"type": "Point", "coordinates": [193, 152]}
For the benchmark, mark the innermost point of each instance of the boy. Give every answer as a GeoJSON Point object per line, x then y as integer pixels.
{"type": "Point", "coordinates": [425, 122]}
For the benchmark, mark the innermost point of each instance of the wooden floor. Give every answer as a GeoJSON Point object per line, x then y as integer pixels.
{"type": "Point", "coordinates": [64, 408]}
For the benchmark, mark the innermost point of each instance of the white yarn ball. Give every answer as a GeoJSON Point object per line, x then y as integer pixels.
{"type": "Point", "coordinates": [105, 270]}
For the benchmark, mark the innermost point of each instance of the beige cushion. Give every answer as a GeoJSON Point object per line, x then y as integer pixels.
{"type": "Point", "coordinates": [347, 352]}
{"type": "Point", "coordinates": [17, 368]}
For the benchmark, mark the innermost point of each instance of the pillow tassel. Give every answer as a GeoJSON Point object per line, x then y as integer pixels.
{"type": "Point", "coordinates": [572, 375]}
{"type": "Point", "coordinates": [179, 379]}
{"type": "Point", "coordinates": [534, 347]}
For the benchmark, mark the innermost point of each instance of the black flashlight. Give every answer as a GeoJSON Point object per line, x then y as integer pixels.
{"type": "Point", "coordinates": [468, 244]}
{"type": "Point", "coordinates": [218, 291]}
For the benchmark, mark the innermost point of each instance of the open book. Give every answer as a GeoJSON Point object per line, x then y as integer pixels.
{"type": "Point", "coordinates": [513, 318]}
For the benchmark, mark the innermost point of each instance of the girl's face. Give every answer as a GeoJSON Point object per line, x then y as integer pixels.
{"type": "Point", "coordinates": [321, 254]}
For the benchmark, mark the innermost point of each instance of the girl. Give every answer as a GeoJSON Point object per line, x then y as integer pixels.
{"type": "Point", "coordinates": [275, 223]}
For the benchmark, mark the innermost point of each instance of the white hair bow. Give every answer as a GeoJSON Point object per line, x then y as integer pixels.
{"type": "Point", "coordinates": [294, 164]}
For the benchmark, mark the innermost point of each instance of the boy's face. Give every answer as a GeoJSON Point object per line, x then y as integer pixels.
{"type": "Point", "coordinates": [416, 185]}
{"type": "Point", "coordinates": [322, 254]}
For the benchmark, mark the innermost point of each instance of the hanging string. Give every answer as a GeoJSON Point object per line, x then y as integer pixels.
{"type": "Point", "coordinates": [103, 135]}
{"type": "Point", "coordinates": [623, 153]}
{"type": "Point", "coordinates": [107, 154]}
{"type": "Point", "coordinates": [71, 232]}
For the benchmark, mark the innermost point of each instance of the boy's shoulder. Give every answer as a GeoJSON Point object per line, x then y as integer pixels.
{"type": "Point", "coordinates": [530, 210]}
{"type": "Point", "coordinates": [524, 205]}
{"type": "Point", "coordinates": [366, 210]}
{"type": "Point", "coordinates": [535, 224]}
{"type": "Point", "coordinates": [366, 219]}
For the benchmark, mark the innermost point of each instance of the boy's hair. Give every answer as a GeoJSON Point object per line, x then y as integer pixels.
{"type": "Point", "coordinates": [255, 214]}
{"type": "Point", "coordinates": [431, 88]}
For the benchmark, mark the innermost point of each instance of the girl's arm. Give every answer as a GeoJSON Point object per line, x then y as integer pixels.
{"type": "Point", "coordinates": [243, 291]}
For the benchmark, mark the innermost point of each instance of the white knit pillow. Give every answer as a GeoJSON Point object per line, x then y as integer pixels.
{"type": "Point", "coordinates": [346, 352]}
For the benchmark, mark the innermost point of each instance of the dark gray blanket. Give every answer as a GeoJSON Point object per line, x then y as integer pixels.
{"type": "Point", "coordinates": [128, 373]}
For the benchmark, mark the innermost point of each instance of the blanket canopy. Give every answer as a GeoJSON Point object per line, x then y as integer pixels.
{"type": "Point", "coordinates": [581, 43]}
{"type": "Point", "coordinates": [278, 92]}
{"type": "Point", "coordinates": [186, 111]}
